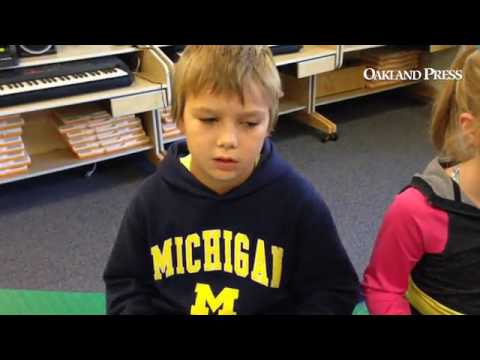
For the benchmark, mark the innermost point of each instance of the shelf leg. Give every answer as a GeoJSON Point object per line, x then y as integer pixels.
{"type": "Point", "coordinates": [155, 158]}
{"type": "Point", "coordinates": [317, 121]}
{"type": "Point", "coordinates": [90, 172]}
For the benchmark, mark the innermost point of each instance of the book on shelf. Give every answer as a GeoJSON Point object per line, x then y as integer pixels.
{"type": "Point", "coordinates": [13, 171]}
{"type": "Point", "coordinates": [25, 160]}
{"type": "Point", "coordinates": [171, 134]}
{"type": "Point", "coordinates": [116, 125]}
{"type": "Point", "coordinates": [15, 155]}
{"type": "Point", "coordinates": [169, 127]}
{"type": "Point", "coordinates": [11, 132]}
{"type": "Point", "coordinates": [9, 117]}
{"type": "Point", "coordinates": [11, 122]}
{"type": "Point", "coordinates": [90, 131]}
{"type": "Point", "coordinates": [93, 123]}
{"type": "Point", "coordinates": [87, 153]}
{"type": "Point", "coordinates": [77, 140]}
{"type": "Point", "coordinates": [9, 141]}
{"type": "Point", "coordinates": [74, 114]}
{"type": "Point", "coordinates": [167, 118]}
{"type": "Point", "coordinates": [5, 149]}
{"type": "Point", "coordinates": [110, 141]}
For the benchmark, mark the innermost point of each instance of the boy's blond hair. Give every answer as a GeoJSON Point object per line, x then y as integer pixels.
{"type": "Point", "coordinates": [457, 97]}
{"type": "Point", "coordinates": [224, 69]}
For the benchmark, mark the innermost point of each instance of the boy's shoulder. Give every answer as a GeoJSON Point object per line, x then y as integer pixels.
{"type": "Point", "coordinates": [297, 181]}
{"type": "Point", "coordinates": [296, 184]}
{"type": "Point", "coordinates": [151, 188]}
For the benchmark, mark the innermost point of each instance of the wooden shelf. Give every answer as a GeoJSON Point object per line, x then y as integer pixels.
{"type": "Point", "coordinates": [64, 159]}
{"type": "Point", "coordinates": [176, 138]}
{"type": "Point", "coordinates": [139, 86]}
{"type": "Point", "coordinates": [359, 93]}
{"type": "Point", "coordinates": [288, 106]}
{"type": "Point", "coordinates": [48, 151]}
{"type": "Point", "coordinates": [75, 52]}
{"type": "Point", "coordinates": [308, 52]}
{"type": "Point", "coordinates": [351, 48]}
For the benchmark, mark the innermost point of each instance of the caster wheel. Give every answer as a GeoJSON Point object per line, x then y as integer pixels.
{"type": "Point", "coordinates": [325, 138]}
{"type": "Point", "coordinates": [334, 137]}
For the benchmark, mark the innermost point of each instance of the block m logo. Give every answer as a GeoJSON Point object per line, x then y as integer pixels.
{"type": "Point", "coordinates": [206, 302]}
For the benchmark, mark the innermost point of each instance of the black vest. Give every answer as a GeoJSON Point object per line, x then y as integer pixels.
{"type": "Point", "coordinates": [452, 277]}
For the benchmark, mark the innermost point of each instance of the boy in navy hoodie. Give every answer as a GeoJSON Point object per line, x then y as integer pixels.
{"type": "Point", "coordinates": [225, 226]}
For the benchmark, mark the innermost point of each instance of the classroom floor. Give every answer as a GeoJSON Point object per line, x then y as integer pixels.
{"type": "Point", "coordinates": [56, 231]}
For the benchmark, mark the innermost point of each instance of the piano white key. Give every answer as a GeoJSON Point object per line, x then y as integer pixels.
{"type": "Point", "coordinates": [41, 85]}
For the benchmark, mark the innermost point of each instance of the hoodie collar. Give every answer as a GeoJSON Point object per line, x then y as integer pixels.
{"type": "Point", "coordinates": [270, 168]}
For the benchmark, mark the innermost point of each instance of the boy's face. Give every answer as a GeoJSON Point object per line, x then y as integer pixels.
{"type": "Point", "coordinates": [225, 137]}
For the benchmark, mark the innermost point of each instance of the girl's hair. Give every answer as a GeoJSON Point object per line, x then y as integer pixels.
{"type": "Point", "coordinates": [224, 69]}
{"type": "Point", "coordinates": [457, 97]}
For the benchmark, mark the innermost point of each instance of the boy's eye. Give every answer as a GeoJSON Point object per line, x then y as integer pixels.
{"type": "Point", "coordinates": [251, 124]}
{"type": "Point", "coordinates": [208, 120]}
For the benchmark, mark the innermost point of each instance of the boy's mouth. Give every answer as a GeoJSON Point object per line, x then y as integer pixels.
{"type": "Point", "coordinates": [225, 160]}
{"type": "Point", "coordinates": [225, 163]}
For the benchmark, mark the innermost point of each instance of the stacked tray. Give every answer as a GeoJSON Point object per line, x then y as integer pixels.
{"type": "Point", "coordinates": [14, 159]}
{"type": "Point", "coordinates": [97, 133]}
{"type": "Point", "coordinates": [169, 128]}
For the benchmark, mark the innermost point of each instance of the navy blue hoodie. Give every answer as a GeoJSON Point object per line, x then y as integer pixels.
{"type": "Point", "coordinates": [269, 246]}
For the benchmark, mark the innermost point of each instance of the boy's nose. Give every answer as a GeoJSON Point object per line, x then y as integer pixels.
{"type": "Point", "coordinates": [228, 138]}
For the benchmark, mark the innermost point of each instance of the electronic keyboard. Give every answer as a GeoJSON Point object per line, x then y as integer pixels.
{"type": "Point", "coordinates": [285, 49]}
{"type": "Point", "coordinates": [36, 83]}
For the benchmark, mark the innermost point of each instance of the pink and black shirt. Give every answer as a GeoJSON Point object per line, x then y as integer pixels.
{"type": "Point", "coordinates": [431, 235]}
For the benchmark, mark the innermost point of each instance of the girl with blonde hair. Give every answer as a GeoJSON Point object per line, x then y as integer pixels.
{"type": "Point", "coordinates": [426, 259]}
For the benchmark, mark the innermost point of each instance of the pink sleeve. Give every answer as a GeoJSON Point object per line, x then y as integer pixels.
{"type": "Point", "coordinates": [411, 228]}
